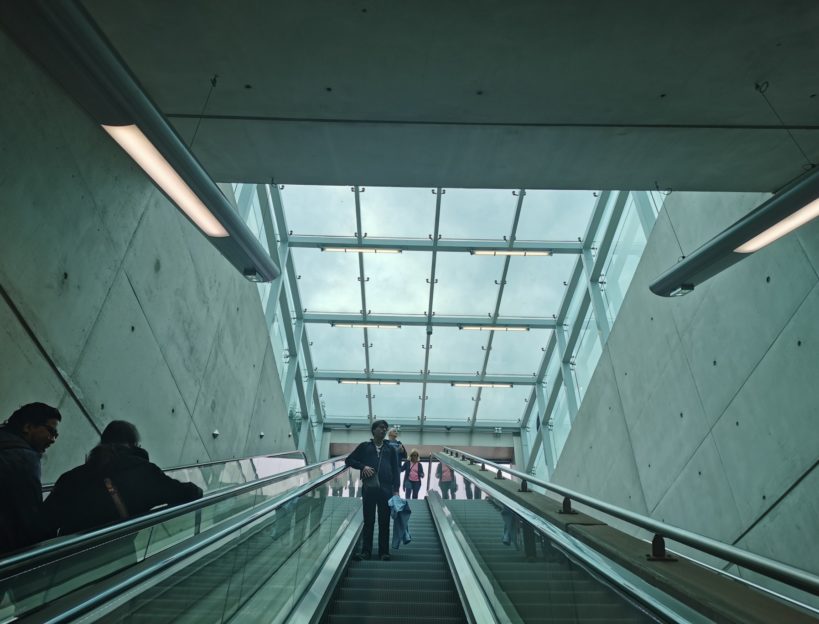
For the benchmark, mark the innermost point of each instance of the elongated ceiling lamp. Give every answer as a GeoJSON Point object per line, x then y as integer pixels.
{"type": "Point", "coordinates": [62, 37]}
{"type": "Point", "coordinates": [790, 208]}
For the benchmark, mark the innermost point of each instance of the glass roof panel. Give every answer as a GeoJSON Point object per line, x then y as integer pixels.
{"type": "Point", "coordinates": [555, 215]}
{"type": "Point", "coordinates": [397, 212]}
{"type": "Point", "coordinates": [342, 400]}
{"type": "Point", "coordinates": [447, 403]}
{"type": "Point", "coordinates": [466, 284]}
{"type": "Point", "coordinates": [477, 213]}
{"type": "Point", "coordinates": [397, 403]}
{"type": "Point", "coordinates": [456, 351]}
{"type": "Point", "coordinates": [328, 210]}
{"type": "Point", "coordinates": [336, 348]}
{"type": "Point", "coordinates": [517, 353]}
{"type": "Point", "coordinates": [397, 349]}
{"type": "Point", "coordinates": [503, 404]}
{"type": "Point", "coordinates": [329, 281]}
{"type": "Point", "coordinates": [535, 285]}
{"type": "Point", "coordinates": [397, 282]}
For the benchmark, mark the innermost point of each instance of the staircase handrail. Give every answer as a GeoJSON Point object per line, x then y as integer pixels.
{"type": "Point", "coordinates": [790, 575]}
{"type": "Point", "coordinates": [57, 549]}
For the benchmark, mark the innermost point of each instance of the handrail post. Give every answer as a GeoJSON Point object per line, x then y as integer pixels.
{"type": "Point", "coordinates": [524, 487]}
{"type": "Point", "coordinates": [567, 506]}
{"type": "Point", "coordinates": [499, 475]}
{"type": "Point", "coordinates": [658, 552]}
{"type": "Point", "coordinates": [483, 467]}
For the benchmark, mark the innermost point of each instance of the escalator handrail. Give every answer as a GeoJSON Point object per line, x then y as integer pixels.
{"type": "Point", "coordinates": [51, 551]}
{"type": "Point", "coordinates": [114, 586]}
{"type": "Point", "coordinates": [47, 487]}
{"type": "Point", "coordinates": [790, 575]}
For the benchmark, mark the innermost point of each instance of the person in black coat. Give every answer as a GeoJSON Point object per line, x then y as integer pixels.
{"type": "Point", "coordinates": [374, 459]}
{"type": "Point", "coordinates": [24, 437]}
{"type": "Point", "coordinates": [116, 482]}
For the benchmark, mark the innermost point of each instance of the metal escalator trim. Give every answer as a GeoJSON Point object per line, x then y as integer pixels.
{"type": "Point", "coordinates": [315, 599]}
{"type": "Point", "coordinates": [108, 594]}
{"type": "Point", "coordinates": [627, 583]}
{"type": "Point", "coordinates": [795, 577]}
{"type": "Point", "coordinates": [47, 487]}
{"type": "Point", "coordinates": [54, 550]}
{"type": "Point", "coordinates": [480, 606]}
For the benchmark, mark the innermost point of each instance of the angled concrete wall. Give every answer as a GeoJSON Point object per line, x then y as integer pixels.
{"type": "Point", "coordinates": [130, 306]}
{"type": "Point", "coordinates": [702, 410]}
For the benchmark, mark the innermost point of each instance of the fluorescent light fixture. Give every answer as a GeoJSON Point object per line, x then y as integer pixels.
{"type": "Point", "coordinates": [777, 231]}
{"type": "Point", "coordinates": [789, 208]}
{"type": "Point", "coordinates": [63, 38]}
{"type": "Point", "coordinates": [510, 252]}
{"type": "Point", "coordinates": [131, 139]}
{"type": "Point", "coordinates": [364, 382]}
{"type": "Point", "coordinates": [505, 328]}
{"type": "Point", "coordinates": [480, 384]}
{"type": "Point", "coordinates": [361, 250]}
{"type": "Point", "coordinates": [365, 326]}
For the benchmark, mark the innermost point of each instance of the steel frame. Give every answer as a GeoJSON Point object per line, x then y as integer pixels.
{"type": "Point", "coordinates": [585, 283]}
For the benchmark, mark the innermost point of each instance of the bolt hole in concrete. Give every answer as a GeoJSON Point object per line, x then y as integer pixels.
{"type": "Point", "coordinates": [132, 328]}
{"type": "Point", "coordinates": [715, 362]}
{"type": "Point", "coordinates": [681, 414]}
{"type": "Point", "coordinates": [157, 265]}
{"type": "Point", "coordinates": [737, 423]}
{"type": "Point", "coordinates": [173, 410]}
{"type": "Point", "coordinates": [65, 276]}
{"type": "Point", "coordinates": [102, 406]}
{"type": "Point", "coordinates": [768, 280]}
{"type": "Point", "coordinates": [798, 343]}
{"type": "Point", "coordinates": [699, 472]}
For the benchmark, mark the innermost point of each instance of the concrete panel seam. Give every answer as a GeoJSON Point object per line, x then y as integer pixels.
{"type": "Point", "coordinates": [56, 369]}
{"type": "Point", "coordinates": [805, 252]}
{"type": "Point", "coordinates": [762, 357]}
{"type": "Point", "coordinates": [258, 386]}
{"type": "Point", "coordinates": [158, 342]}
{"type": "Point", "coordinates": [773, 505]}
{"type": "Point", "coordinates": [633, 457]}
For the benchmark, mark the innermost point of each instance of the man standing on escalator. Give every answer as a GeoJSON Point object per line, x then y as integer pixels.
{"type": "Point", "coordinates": [378, 463]}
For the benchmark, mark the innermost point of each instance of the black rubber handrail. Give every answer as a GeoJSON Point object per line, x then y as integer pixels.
{"type": "Point", "coordinates": [108, 589]}
{"type": "Point", "coordinates": [795, 577]}
{"type": "Point", "coordinates": [54, 550]}
{"type": "Point", "coordinates": [47, 487]}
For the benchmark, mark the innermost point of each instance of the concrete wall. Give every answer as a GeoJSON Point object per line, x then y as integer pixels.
{"type": "Point", "coordinates": [702, 410]}
{"type": "Point", "coordinates": [133, 308]}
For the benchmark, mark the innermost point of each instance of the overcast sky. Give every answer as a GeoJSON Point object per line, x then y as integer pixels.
{"type": "Point", "coordinates": [398, 284]}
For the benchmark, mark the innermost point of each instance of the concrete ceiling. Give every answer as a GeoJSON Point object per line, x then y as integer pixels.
{"type": "Point", "coordinates": [533, 93]}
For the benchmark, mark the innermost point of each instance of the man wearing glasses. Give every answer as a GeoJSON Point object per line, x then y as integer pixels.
{"type": "Point", "coordinates": [23, 439]}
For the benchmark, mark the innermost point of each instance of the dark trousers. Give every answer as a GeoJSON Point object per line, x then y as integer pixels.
{"type": "Point", "coordinates": [413, 487]}
{"type": "Point", "coordinates": [373, 499]}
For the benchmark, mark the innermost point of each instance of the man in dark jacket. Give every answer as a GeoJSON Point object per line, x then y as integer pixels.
{"type": "Point", "coordinates": [376, 459]}
{"type": "Point", "coordinates": [116, 482]}
{"type": "Point", "coordinates": [23, 439]}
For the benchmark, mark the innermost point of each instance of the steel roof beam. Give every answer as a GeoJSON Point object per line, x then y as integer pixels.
{"type": "Point", "coordinates": [428, 244]}
{"type": "Point", "coordinates": [438, 194]}
{"type": "Point", "coordinates": [422, 320]}
{"type": "Point", "coordinates": [442, 378]}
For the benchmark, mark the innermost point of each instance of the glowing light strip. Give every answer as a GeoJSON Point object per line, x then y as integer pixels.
{"type": "Point", "coordinates": [481, 385]}
{"type": "Point", "coordinates": [490, 252]}
{"type": "Point", "coordinates": [492, 328]}
{"type": "Point", "coordinates": [778, 230]}
{"type": "Point", "coordinates": [364, 382]}
{"type": "Point", "coordinates": [365, 326]}
{"type": "Point", "coordinates": [362, 250]}
{"type": "Point", "coordinates": [138, 147]}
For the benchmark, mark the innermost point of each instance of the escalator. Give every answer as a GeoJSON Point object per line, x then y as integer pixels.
{"type": "Point", "coordinates": [280, 550]}
{"type": "Point", "coordinates": [415, 585]}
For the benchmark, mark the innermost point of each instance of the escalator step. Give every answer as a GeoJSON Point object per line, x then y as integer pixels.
{"type": "Point", "coordinates": [415, 611]}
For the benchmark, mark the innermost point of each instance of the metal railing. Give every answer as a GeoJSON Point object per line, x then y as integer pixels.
{"type": "Point", "coordinates": [70, 608]}
{"type": "Point", "coordinates": [58, 549]}
{"type": "Point", "coordinates": [790, 575]}
{"type": "Point", "coordinates": [47, 487]}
